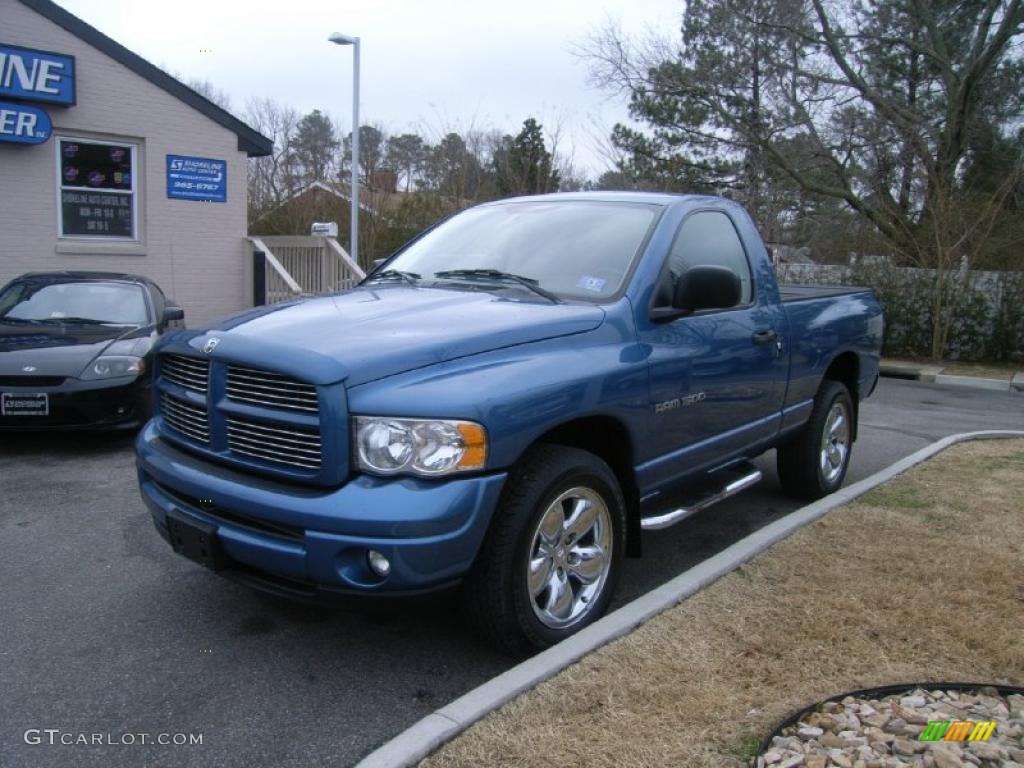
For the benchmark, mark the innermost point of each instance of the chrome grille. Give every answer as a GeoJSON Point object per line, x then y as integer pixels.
{"type": "Point", "coordinates": [186, 418]}
{"type": "Point", "coordinates": [188, 372]}
{"type": "Point", "coordinates": [295, 446]}
{"type": "Point", "coordinates": [270, 389]}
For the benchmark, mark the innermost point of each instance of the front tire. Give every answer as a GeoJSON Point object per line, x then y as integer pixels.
{"type": "Point", "coordinates": [814, 464]}
{"type": "Point", "coordinates": [551, 559]}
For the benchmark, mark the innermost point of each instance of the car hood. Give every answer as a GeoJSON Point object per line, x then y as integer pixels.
{"type": "Point", "coordinates": [54, 350]}
{"type": "Point", "coordinates": [378, 331]}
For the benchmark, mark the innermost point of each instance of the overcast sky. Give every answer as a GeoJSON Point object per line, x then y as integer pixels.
{"type": "Point", "coordinates": [427, 65]}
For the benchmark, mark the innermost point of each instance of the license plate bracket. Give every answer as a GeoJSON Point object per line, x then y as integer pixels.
{"type": "Point", "coordinates": [196, 540]}
{"type": "Point", "coordinates": [24, 404]}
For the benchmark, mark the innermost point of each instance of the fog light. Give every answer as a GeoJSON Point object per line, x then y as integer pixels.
{"type": "Point", "coordinates": [378, 563]}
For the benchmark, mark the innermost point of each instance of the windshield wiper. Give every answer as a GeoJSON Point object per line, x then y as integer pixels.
{"type": "Point", "coordinates": [391, 274]}
{"type": "Point", "coordinates": [27, 320]}
{"type": "Point", "coordinates": [498, 275]}
{"type": "Point", "coordinates": [80, 321]}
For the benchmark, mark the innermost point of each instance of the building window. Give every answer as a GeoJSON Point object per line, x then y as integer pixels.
{"type": "Point", "coordinates": [98, 186]}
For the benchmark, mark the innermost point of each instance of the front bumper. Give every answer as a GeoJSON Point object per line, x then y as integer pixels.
{"type": "Point", "coordinates": [307, 542]}
{"type": "Point", "coordinates": [121, 403]}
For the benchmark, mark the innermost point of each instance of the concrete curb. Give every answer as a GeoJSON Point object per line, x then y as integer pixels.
{"type": "Point", "coordinates": [925, 373]}
{"type": "Point", "coordinates": [932, 374]}
{"type": "Point", "coordinates": [425, 736]}
{"type": "Point", "coordinates": [976, 382]}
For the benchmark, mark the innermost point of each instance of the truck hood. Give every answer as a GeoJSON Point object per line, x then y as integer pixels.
{"type": "Point", "coordinates": [54, 349]}
{"type": "Point", "coordinates": [378, 331]}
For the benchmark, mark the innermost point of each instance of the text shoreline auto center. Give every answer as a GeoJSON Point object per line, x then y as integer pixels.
{"type": "Point", "coordinates": [109, 163]}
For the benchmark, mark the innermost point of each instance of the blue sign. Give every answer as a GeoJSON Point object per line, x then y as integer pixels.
{"type": "Point", "coordinates": [34, 75]}
{"type": "Point", "coordinates": [197, 178]}
{"type": "Point", "coordinates": [22, 124]}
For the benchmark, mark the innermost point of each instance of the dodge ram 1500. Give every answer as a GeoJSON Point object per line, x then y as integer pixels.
{"type": "Point", "coordinates": [504, 405]}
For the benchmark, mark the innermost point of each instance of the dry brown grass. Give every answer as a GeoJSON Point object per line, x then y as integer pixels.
{"type": "Point", "coordinates": [920, 580]}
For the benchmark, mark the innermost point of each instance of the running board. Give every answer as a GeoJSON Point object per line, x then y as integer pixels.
{"type": "Point", "coordinates": [715, 495]}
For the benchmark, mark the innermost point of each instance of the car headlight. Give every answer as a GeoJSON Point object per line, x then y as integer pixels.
{"type": "Point", "coordinates": [429, 447]}
{"type": "Point", "coordinates": [113, 366]}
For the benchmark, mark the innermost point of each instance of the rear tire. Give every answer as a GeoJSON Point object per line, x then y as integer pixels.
{"type": "Point", "coordinates": [814, 464]}
{"type": "Point", "coordinates": [551, 559]}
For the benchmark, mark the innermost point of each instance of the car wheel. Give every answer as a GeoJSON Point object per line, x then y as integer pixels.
{"type": "Point", "coordinates": [815, 463]}
{"type": "Point", "coordinates": [551, 558]}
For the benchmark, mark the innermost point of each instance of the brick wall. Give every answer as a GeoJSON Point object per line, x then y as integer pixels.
{"type": "Point", "coordinates": [196, 251]}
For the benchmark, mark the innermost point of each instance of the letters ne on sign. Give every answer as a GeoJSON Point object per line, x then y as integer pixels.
{"type": "Point", "coordinates": [38, 75]}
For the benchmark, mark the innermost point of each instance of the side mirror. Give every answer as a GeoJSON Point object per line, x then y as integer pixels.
{"type": "Point", "coordinates": [708, 287]}
{"type": "Point", "coordinates": [172, 314]}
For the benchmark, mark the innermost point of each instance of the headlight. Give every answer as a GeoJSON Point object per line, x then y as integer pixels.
{"type": "Point", "coordinates": [112, 366]}
{"type": "Point", "coordinates": [429, 447]}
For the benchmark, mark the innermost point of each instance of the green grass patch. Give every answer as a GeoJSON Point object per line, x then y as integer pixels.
{"type": "Point", "coordinates": [898, 496]}
{"type": "Point", "coordinates": [747, 747]}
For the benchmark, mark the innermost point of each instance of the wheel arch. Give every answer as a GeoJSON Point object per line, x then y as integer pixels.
{"type": "Point", "coordinates": [845, 368]}
{"type": "Point", "coordinates": [609, 439]}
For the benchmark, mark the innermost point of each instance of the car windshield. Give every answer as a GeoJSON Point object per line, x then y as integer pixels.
{"type": "Point", "coordinates": [575, 249]}
{"type": "Point", "coordinates": [87, 301]}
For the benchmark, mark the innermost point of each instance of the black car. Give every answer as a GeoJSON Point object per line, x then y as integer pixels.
{"type": "Point", "coordinates": [75, 349]}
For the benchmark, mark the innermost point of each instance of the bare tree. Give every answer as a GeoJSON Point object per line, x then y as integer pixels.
{"type": "Point", "coordinates": [273, 178]}
{"type": "Point", "coordinates": [209, 91]}
{"type": "Point", "coordinates": [870, 104]}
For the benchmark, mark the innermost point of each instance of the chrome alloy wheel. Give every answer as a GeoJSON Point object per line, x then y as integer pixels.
{"type": "Point", "coordinates": [835, 442]}
{"type": "Point", "coordinates": [570, 558]}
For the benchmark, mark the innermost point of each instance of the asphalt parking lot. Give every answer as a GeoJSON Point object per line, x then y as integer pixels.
{"type": "Point", "coordinates": [105, 631]}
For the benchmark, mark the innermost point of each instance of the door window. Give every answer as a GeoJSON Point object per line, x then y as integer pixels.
{"type": "Point", "coordinates": [708, 238]}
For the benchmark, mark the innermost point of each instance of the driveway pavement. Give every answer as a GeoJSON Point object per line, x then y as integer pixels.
{"type": "Point", "coordinates": [104, 631]}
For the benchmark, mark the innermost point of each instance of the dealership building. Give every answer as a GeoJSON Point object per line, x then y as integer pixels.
{"type": "Point", "coordinates": [109, 163]}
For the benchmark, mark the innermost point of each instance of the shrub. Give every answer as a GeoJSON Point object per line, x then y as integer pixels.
{"type": "Point", "coordinates": [984, 310]}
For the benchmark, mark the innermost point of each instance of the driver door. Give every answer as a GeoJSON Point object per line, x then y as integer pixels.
{"type": "Point", "coordinates": [716, 376]}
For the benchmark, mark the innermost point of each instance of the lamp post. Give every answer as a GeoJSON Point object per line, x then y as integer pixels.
{"type": "Point", "coordinates": [341, 39]}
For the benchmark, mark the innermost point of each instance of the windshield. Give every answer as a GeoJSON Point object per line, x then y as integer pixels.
{"type": "Point", "coordinates": [87, 301]}
{"type": "Point", "coordinates": [578, 249]}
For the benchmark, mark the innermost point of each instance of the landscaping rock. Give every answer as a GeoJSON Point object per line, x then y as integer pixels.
{"type": "Point", "coordinates": [886, 733]}
{"type": "Point", "coordinates": [988, 750]}
{"type": "Point", "coordinates": [832, 741]}
{"type": "Point", "coordinates": [946, 759]}
{"type": "Point", "coordinates": [903, 747]}
{"type": "Point", "coordinates": [912, 715]}
{"type": "Point", "coordinates": [809, 732]}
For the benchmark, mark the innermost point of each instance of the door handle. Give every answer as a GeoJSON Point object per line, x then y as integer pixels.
{"type": "Point", "coordinates": [764, 337]}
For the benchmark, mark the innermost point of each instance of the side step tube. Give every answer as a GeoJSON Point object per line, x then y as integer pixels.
{"type": "Point", "coordinates": [666, 519]}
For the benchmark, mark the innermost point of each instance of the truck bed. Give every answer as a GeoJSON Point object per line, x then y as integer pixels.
{"type": "Point", "coordinates": [790, 292]}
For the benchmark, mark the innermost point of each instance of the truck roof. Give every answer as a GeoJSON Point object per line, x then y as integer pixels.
{"type": "Point", "coordinates": [650, 198]}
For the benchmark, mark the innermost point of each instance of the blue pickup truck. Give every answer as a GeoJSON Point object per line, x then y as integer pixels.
{"type": "Point", "coordinates": [504, 406]}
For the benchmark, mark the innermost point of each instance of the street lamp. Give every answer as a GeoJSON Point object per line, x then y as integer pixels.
{"type": "Point", "coordinates": [341, 39]}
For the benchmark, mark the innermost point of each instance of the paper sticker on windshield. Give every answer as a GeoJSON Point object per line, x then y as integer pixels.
{"type": "Point", "coordinates": [588, 283]}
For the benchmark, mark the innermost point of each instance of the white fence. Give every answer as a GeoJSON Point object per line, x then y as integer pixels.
{"type": "Point", "coordinates": [304, 266]}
